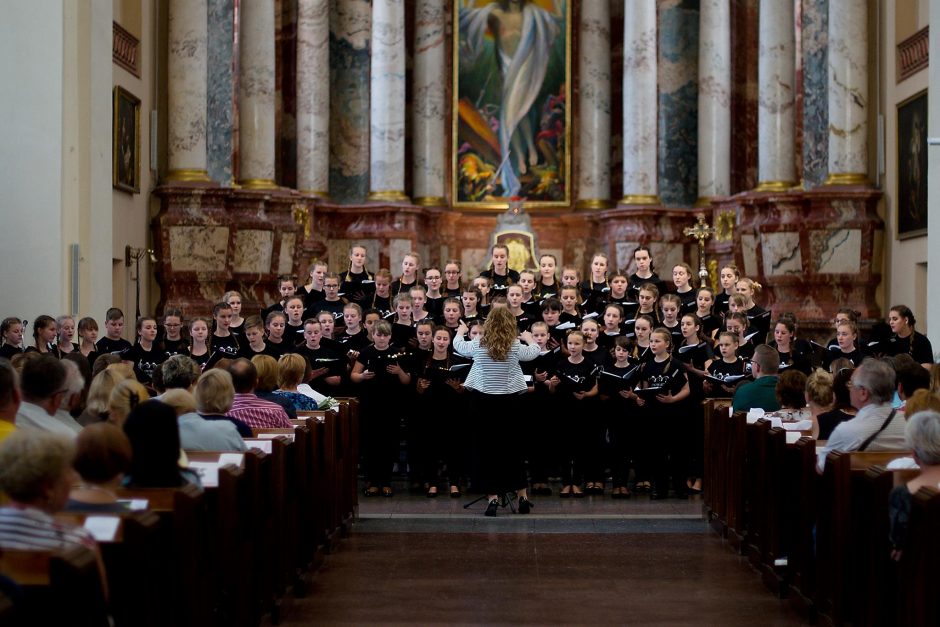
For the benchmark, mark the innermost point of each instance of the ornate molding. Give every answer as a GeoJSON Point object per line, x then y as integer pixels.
{"type": "Point", "coordinates": [124, 49]}
{"type": "Point", "coordinates": [913, 54]}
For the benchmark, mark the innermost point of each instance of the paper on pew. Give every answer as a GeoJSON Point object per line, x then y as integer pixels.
{"type": "Point", "coordinates": [234, 459]}
{"type": "Point", "coordinates": [208, 473]}
{"type": "Point", "coordinates": [753, 415]}
{"type": "Point", "coordinates": [271, 436]}
{"type": "Point", "coordinates": [802, 425]}
{"type": "Point", "coordinates": [102, 528]}
{"type": "Point", "coordinates": [306, 390]}
{"type": "Point", "coordinates": [903, 463]}
{"type": "Point", "coordinates": [262, 445]}
{"type": "Point", "coordinates": [134, 505]}
{"type": "Point", "coordinates": [793, 437]}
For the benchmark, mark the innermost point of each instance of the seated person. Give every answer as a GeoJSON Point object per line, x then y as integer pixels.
{"type": "Point", "coordinates": [761, 392]}
{"type": "Point", "coordinates": [877, 426]}
{"type": "Point", "coordinates": [214, 394]}
{"type": "Point", "coordinates": [291, 371]}
{"type": "Point", "coordinates": [267, 383]}
{"type": "Point", "coordinates": [96, 409]}
{"type": "Point", "coordinates": [841, 409]}
{"type": "Point", "coordinates": [790, 393]}
{"type": "Point", "coordinates": [155, 442]}
{"type": "Point", "coordinates": [819, 397]}
{"type": "Point", "coordinates": [922, 436]}
{"type": "Point", "coordinates": [102, 456]}
{"type": "Point", "coordinates": [125, 396]}
{"type": "Point", "coordinates": [196, 433]}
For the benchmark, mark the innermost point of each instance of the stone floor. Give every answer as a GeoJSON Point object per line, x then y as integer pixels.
{"type": "Point", "coordinates": [416, 560]}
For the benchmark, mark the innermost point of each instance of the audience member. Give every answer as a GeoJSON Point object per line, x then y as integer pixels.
{"type": "Point", "coordinates": [842, 409]}
{"type": "Point", "coordinates": [761, 392]}
{"type": "Point", "coordinates": [75, 389]}
{"type": "Point", "coordinates": [922, 436]}
{"type": "Point", "coordinates": [911, 376]}
{"type": "Point", "coordinates": [291, 369]}
{"type": "Point", "coordinates": [96, 409]}
{"type": "Point", "coordinates": [84, 368]}
{"type": "Point", "coordinates": [877, 426]}
{"type": "Point", "coordinates": [179, 372]}
{"type": "Point", "coordinates": [43, 386]}
{"type": "Point", "coordinates": [214, 395]}
{"type": "Point", "coordinates": [247, 407]}
{"type": "Point", "coordinates": [196, 433]}
{"type": "Point", "coordinates": [9, 399]}
{"type": "Point", "coordinates": [102, 458]}
{"type": "Point", "coordinates": [155, 444]}
{"type": "Point", "coordinates": [125, 397]}
{"type": "Point", "coordinates": [818, 395]}
{"type": "Point", "coordinates": [103, 361]}
{"type": "Point", "coordinates": [267, 383]}
{"type": "Point", "coordinates": [790, 393]}
{"type": "Point", "coordinates": [922, 400]}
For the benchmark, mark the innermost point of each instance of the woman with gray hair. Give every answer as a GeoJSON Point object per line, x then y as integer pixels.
{"type": "Point", "coordinates": [923, 437]}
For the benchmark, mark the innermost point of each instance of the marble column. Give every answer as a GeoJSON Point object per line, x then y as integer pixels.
{"type": "Point", "coordinates": [776, 168]}
{"type": "Point", "coordinates": [187, 59]}
{"type": "Point", "coordinates": [220, 116]}
{"type": "Point", "coordinates": [814, 44]}
{"type": "Point", "coordinates": [313, 97]}
{"type": "Point", "coordinates": [714, 100]}
{"type": "Point", "coordinates": [848, 92]}
{"type": "Point", "coordinates": [429, 112]}
{"type": "Point", "coordinates": [639, 103]}
{"type": "Point", "coordinates": [256, 95]}
{"type": "Point", "coordinates": [594, 119]}
{"type": "Point", "coordinates": [387, 102]}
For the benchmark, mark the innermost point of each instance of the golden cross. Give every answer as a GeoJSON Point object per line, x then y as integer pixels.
{"type": "Point", "coordinates": [700, 232]}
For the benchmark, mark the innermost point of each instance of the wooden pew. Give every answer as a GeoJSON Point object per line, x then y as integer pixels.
{"type": "Point", "coordinates": [182, 540]}
{"type": "Point", "coordinates": [128, 557]}
{"type": "Point", "coordinates": [715, 416]}
{"type": "Point", "coordinates": [59, 587]}
{"type": "Point", "coordinates": [735, 451]}
{"type": "Point", "coordinates": [840, 548]}
{"type": "Point", "coordinates": [349, 461]}
{"type": "Point", "coordinates": [917, 571]}
{"type": "Point", "coordinates": [801, 558]}
{"type": "Point", "coordinates": [756, 490]}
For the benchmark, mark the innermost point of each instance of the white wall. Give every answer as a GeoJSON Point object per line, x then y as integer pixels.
{"type": "Point", "coordinates": [31, 105]}
{"type": "Point", "coordinates": [933, 189]}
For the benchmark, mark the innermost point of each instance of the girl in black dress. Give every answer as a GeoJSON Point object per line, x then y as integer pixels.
{"type": "Point", "coordinates": [695, 353]}
{"type": "Point", "coordinates": [595, 290]}
{"type": "Point", "coordinates": [622, 424]}
{"type": "Point", "coordinates": [275, 324]}
{"type": "Point", "coordinates": [66, 332]}
{"type": "Point", "coordinates": [382, 296]}
{"type": "Point", "coordinates": [758, 318]}
{"type": "Point", "coordinates": [357, 283]}
{"type": "Point", "coordinates": [663, 413]}
{"type": "Point", "coordinates": [403, 331]}
{"type": "Point", "coordinates": [225, 345]}
{"type": "Point", "coordinates": [728, 278]}
{"type": "Point", "coordinates": [313, 290]}
{"type": "Point", "coordinates": [499, 271]}
{"type": "Point", "coordinates": [640, 349]}
{"type": "Point", "coordinates": [704, 303]}
{"type": "Point", "coordinates": [452, 286]}
{"type": "Point", "coordinates": [548, 283]}
{"type": "Point", "coordinates": [452, 314]}
{"type": "Point", "coordinates": [434, 299]}
{"type": "Point", "coordinates": [670, 306]}
{"type": "Point", "coordinates": [794, 353]}
{"type": "Point", "coordinates": [483, 284]}
{"type": "Point", "coordinates": [644, 273]}
{"type": "Point", "coordinates": [736, 322]}
{"type": "Point", "coordinates": [146, 355]}
{"type": "Point", "coordinates": [571, 312]}
{"type": "Point", "coordinates": [612, 329]}
{"type": "Point", "coordinates": [577, 384]}
{"type": "Point", "coordinates": [685, 286]}
{"type": "Point", "coordinates": [173, 341]}
{"type": "Point", "coordinates": [44, 337]}
{"type": "Point", "coordinates": [543, 421]}
{"type": "Point", "coordinates": [727, 373]}
{"type": "Point", "coordinates": [11, 337]}
{"type": "Point", "coordinates": [409, 274]}
{"type": "Point", "coordinates": [88, 334]}
{"type": "Point", "coordinates": [234, 300]}
{"type": "Point", "coordinates": [199, 348]}
{"type": "Point", "coordinates": [647, 298]}
{"type": "Point", "coordinates": [514, 299]}
{"type": "Point", "coordinates": [846, 346]}
{"type": "Point", "coordinates": [618, 291]}
{"type": "Point", "coordinates": [906, 339]}
{"type": "Point", "coordinates": [470, 300]}
{"type": "Point", "coordinates": [530, 300]}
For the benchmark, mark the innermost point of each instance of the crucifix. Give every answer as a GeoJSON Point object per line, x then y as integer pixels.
{"type": "Point", "coordinates": [700, 232]}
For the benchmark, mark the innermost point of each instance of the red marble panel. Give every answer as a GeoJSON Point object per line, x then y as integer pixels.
{"type": "Point", "coordinates": [744, 28]}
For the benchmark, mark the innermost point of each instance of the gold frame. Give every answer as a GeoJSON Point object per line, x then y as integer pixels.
{"type": "Point", "coordinates": [122, 96]}
{"type": "Point", "coordinates": [489, 205]}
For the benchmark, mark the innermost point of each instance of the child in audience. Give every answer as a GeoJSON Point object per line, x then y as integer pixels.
{"type": "Point", "coordinates": [112, 342]}
{"type": "Point", "coordinates": [66, 331]}
{"type": "Point", "coordinates": [730, 370]}
{"type": "Point", "coordinates": [381, 379]}
{"type": "Point", "coordinates": [234, 300]}
{"type": "Point", "coordinates": [11, 337]}
{"type": "Point", "coordinates": [685, 286]}
{"type": "Point", "coordinates": [173, 342]}
{"type": "Point", "coordinates": [409, 274]}
{"type": "Point", "coordinates": [199, 347]}
{"type": "Point", "coordinates": [577, 383]}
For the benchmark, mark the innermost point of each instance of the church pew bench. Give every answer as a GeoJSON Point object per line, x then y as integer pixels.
{"type": "Point", "coordinates": [350, 459]}
{"type": "Point", "coordinates": [714, 415]}
{"type": "Point", "coordinates": [182, 541]}
{"type": "Point", "coordinates": [801, 561]}
{"type": "Point", "coordinates": [735, 451]}
{"type": "Point", "coordinates": [917, 601]}
{"type": "Point", "coordinates": [60, 587]}
{"type": "Point", "coordinates": [128, 557]}
{"type": "Point", "coordinates": [840, 532]}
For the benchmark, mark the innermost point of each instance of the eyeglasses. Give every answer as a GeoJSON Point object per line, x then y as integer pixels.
{"type": "Point", "coordinates": [852, 384]}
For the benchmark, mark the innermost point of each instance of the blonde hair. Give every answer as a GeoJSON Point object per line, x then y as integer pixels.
{"type": "Point", "coordinates": [499, 332]}
{"type": "Point", "coordinates": [290, 370]}
{"type": "Point", "coordinates": [214, 392]}
{"type": "Point", "coordinates": [180, 400]}
{"type": "Point", "coordinates": [819, 388]}
{"type": "Point", "coordinates": [267, 371]}
{"type": "Point", "coordinates": [125, 396]}
{"type": "Point", "coordinates": [30, 460]}
{"type": "Point", "coordinates": [922, 400]}
{"type": "Point", "coordinates": [99, 393]}
{"type": "Point", "coordinates": [753, 285]}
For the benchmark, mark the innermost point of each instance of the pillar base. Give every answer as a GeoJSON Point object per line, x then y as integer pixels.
{"type": "Point", "coordinates": [593, 203]}
{"type": "Point", "coordinates": [428, 201]}
{"type": "Point", "coordinates": [315, 193]}
{"type": "Point", "coordinates": [640, 199]}
{"type": "Point", "coordinates": [257, 184]}
{"type": "Point", "coordinates": [388, 196]}
{"type": "Point", "coordinates": [703, 201]}
{"type": "Point", "coordinates": [774, 186]}
{"type": "Point", "coordinates": [188, 175]}
{"type": "Point", "coordinates": [846, 178]}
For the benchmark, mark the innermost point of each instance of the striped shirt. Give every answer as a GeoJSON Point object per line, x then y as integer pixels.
{"type": "Point", "coordinates": [490, 376]}
{"type": "Point", "coordinates": [23, 527]}
{"type": "Point", "coordinates": [258, 413]}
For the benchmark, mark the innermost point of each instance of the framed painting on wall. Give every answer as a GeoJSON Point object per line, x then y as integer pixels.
{"type": "Point", "coordinates": [912, 167]}
{"type": "Point", "coordinates": [125, 148]}
{"type": "Point", "coordinates": [511, 95]}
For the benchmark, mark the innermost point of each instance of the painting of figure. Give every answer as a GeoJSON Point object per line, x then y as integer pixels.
{"type": "Point", "coordinates": [511, 94]}
{"type": "Point", "coordinates": [912, 167]}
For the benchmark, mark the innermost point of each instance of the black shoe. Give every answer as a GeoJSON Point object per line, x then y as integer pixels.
{"type": "Point", "coordinates": [525, 505]}
{"type": "Point", "coordinates": [491, 508]}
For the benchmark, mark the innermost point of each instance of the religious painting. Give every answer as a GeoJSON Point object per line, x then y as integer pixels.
{"type": "Point", "coordinates": [912, 167]}
{"type": "Point", "coordinates": [512, 89]}
{"type": "Point", "coordinates": [125, 148]}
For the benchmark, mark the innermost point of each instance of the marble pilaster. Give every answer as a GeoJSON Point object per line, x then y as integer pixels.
{"type": "Point", "coordinates": [848, 92]}
{"type": "Point", "coordinates": [350, 24]}
{"type": "Point", "coordinates": [640, 185]}
{"type": "Point", "coordinates": [776, 79]}
{"type": "Point", "coordinates": [220, 113]}
{"type": "Point", "coordinates": [594, 119]}
{"type": "Point", "coordinates": [313, 96]}
{"type": "Point", "coordinates": [256, 102]}
{"type": "Point", "coordinates": [387, 102]}
{"type": "Point", "coordinates": [186, 90]}
{"type": "Point", "coordinates": [430, 102]}
{"type": "Point", "coordinates": [814, 30]}
{"type": "Point", "coordinates": [678, 102]}
{"type": "Point", "coordinates": [714, 99]}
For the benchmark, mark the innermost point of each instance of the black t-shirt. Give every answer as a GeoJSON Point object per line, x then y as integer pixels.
{"type": "Point", "coordinates": [435, 306]}
{"type": "Point", "coordinates": [856, 357]}
{"type": "Point", "coordinates": [145, 362]}
{"type": "Point", "coordinates": [357, 287]}
{"type": "Point", "coordinates": [758, 319]}
{"type": "Point", "coordinates": [293, 335]}
{"type": "Point", "coordinates": [710, 324]}
{"type": "Point", "coordinates": [438, 372]}
{"type": "Point", "coordinates": [613, 379]}
{"type": "Point", "coordinates": [225, 347]}
{"type": "Point", "coordinates": [8, 351]}
{"type": "Point", "coordinates": [545, 362]}
{"type": "Point", "coordinates": [720, 307]}
{"type": "Point", "coordinates": [639, 354]}
{"type": "Point", "coordinates": [402, 334]}
{"type": "Point", "coordinates": [201, 360]}
{"type": "Point", "coordinates": [311, 297]}
{"type": "Point", "coordinates": [374, 360]}
{"type": "Point", "coordinates": [525, 320]}
{"type": "Point", "coordinates": [633, 288]}
{"type": "Point", "coordinates": [675, 331]}
{"type": "Point", "coordinates": [354, 342]}
{"type": "Point", "coordinates": [398, 287]}
{"type": "Point", "coordinates": [666, 374]}
{"type": "Point", "coordinates": [323, 357]}
{"type": "Point", "coordinates": [580, 377]}
{"type": "Point", "coordinates": [696, 355]}
{"type": "Point", "coordinates": [501, 282]}
{"type": "Point", "coordinates": [175, 347]}
{"type": "Point", "coordinates": [107, 345]}
{"type": "Point", "coordinates": [916, 344]}
{"type": "Point", "coordinates": [720, 369]}
{"type": "Point", "coordinates": [599, 356]}
{"type": "Point", "coordinates": [799, 357]}
{"type": "Point", "coordinates": [688, 302]}
{"type": "Point", "coordinates": [594, 295]}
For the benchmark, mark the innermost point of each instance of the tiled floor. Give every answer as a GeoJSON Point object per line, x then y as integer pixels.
{"type": "Point", "coordinates": [415, 560]}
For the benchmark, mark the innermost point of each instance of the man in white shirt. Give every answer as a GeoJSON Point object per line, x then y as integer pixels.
{"type": "Point", "coordinates": [877, 426]}
{"type": "Point", "coordinates": [43, 385]}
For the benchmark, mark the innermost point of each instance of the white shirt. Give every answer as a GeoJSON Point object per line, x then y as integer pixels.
{"type": "Point", "coordinates": [32, 416]}
{"type": "Point", "coordinates": [850, 435]}
{"type": "Point", "coordinates": [490, 376]}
